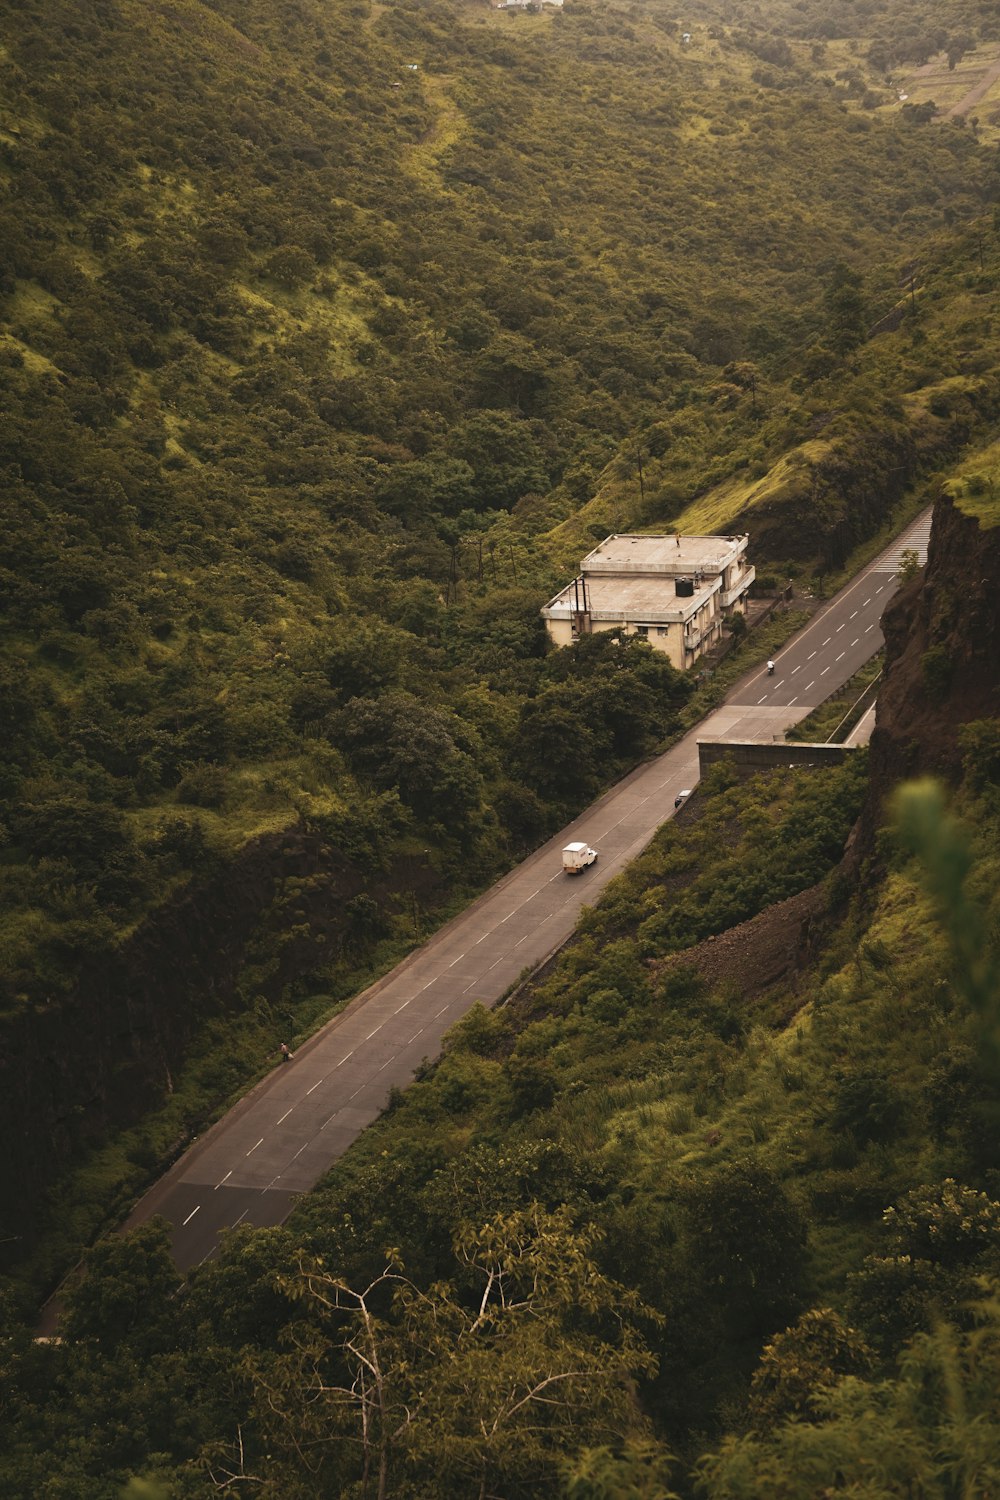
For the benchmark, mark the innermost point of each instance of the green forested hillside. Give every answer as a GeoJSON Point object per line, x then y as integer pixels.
{"type": "Point", "coordinates": [330, 337]}
{"type": "Point", "coordinates": [317, 320]}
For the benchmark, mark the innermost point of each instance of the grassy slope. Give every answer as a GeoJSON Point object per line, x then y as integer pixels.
{"type": "Point", "coordinates": [937, 364]}
{"type": "Point", "coordinates": [210, 441]}
{"type": "Point", "coordinates": [650, 1080]}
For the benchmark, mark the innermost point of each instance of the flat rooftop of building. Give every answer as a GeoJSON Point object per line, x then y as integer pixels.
{"type": "Point", "coordinates": [670, 553]}
{"type": "Point", "coordinates": [643, 598]}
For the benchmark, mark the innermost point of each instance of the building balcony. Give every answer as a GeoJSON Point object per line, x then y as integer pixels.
{"type": "Point", "coordinates": [728, 597]}
{"type": "Point", "coordinates": [696, 640]}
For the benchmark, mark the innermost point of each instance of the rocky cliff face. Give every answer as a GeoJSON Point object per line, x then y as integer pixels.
{"type": "Point", "coordinates": [942, 635]}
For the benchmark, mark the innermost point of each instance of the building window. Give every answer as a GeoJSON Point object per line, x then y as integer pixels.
{"type": "Point", "coordinates": [642, 630]}
{"type": "Point", "coordinates": [663, 629]}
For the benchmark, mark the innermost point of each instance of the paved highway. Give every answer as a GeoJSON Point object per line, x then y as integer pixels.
{"type": "Point", "coordinates": [286, 1133]}
{"type": "Point", "coordinates": [839, 640]}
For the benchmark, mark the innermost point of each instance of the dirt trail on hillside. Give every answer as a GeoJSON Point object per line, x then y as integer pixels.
{"type": "Point", "coordinates": [936, 69]}
{"type": "Point", "coordinates": [974, 95]}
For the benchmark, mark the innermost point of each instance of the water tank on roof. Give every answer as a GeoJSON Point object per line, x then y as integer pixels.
{"type": "Point", "coordinates": [684, 587]}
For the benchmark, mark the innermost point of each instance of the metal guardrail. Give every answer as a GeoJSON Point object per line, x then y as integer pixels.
{"type": "Point", "coordinates": [870, 693]}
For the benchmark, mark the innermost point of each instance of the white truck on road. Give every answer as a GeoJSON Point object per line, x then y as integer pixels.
{"type": "Point", "coordinates": [576, 858]}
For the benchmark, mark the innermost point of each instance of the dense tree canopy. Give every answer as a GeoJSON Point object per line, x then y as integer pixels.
{"type": "Point", "coordinates": [331, 337]}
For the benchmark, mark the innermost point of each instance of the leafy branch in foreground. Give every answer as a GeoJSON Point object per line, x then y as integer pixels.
{"type": "Point", "coordinates": [484, 1380]}
{"type": "Point", "coordinates": [944, 848]}
{"type": "Point", "coordinates": [930, 1431]}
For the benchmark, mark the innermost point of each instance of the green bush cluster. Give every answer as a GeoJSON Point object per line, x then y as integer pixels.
{"type": "Point", "coordinates": [314, 388]}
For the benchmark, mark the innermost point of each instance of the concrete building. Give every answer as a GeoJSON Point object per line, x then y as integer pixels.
{"type": "Point", "coordinates": [674, 591]}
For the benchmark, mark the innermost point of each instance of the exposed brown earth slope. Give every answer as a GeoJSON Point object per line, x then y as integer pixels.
{"type": "Point", "coordinates": [770, 949]}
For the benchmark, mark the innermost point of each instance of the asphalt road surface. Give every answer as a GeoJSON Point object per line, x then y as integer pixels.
{"type": "Point", "coordinates": [287, 1132]}
{"type": "Point", "coordinates": [838, 641]}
